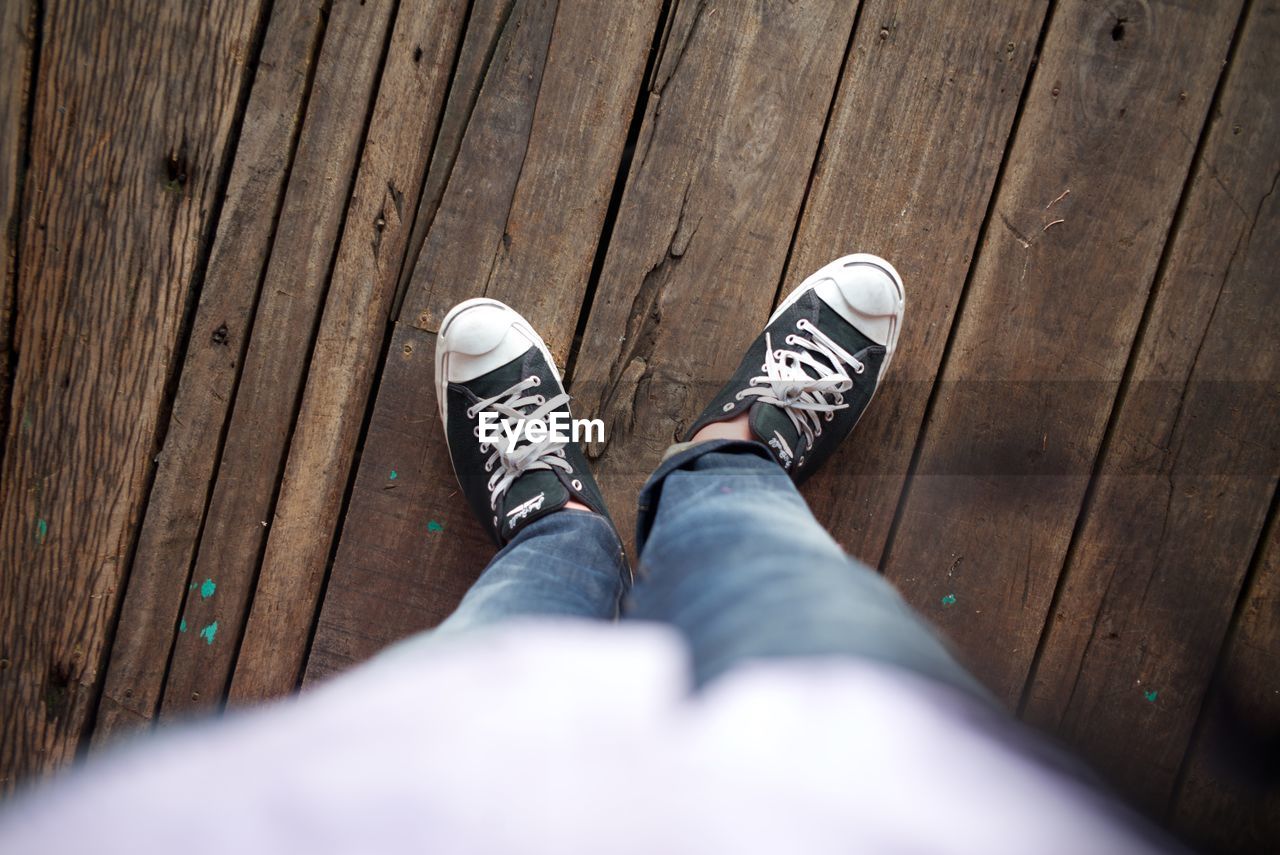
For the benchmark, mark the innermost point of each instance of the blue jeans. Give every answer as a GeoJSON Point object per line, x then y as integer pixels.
{"type": "Point", "coordinates": [731, 557]}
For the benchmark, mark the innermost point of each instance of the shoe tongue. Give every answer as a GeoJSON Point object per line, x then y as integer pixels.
{"type": "Point", "coordinates": [531, 496]}
{"type": "Point", "coordinates": [774, 428]}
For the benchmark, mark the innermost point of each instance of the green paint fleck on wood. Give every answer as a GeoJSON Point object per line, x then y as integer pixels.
{"type": "Point", "coordinates": [42, 529]}
{"type": "Point", "coordinates": [207, 589]}
{"type": "Point", "coordinates": [434, 526]}
{"type": "Point", "coordinates": [949, 600]}
{"type": "Point", "coordinates": [182, 627]}
{"type": "Point", "coordinates": [392, 476]}
{"type": "Point", "coordinates": [209, 632]}
{"type": "Point", "coordinates": [1150, 696]}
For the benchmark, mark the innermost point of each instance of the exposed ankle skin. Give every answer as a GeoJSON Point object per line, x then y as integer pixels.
{"type": "Point", "coordinates": [735, 428]}
{"type": "Point", "coordinates": [577, 506]}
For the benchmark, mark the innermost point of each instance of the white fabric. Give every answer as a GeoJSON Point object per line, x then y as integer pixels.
{"type": "Point", "coordinates": [572, 737]}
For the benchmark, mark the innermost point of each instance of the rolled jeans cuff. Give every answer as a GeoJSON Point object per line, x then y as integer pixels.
{"type": "Point", "coordinates": [684, 455]}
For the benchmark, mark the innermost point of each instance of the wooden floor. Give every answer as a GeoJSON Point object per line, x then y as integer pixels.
{"type": "Point", "coordinates": [236, 225]}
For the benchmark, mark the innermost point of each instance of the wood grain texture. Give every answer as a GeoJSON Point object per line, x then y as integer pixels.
{"type": "Point", "coordinates": [17, 37]}
{"type": "Point", "coordinates": [920, 123]}
{"type": "Point", "coordinates": [542, 262]}
{"type": "Point", "coordinates": [206, 388]}
{"type": "Point", "coordinates": [376, 591]}
{"type": "Point", "coordinates": [267, 396]}
{"type": "Point", "coordinates": [409, 546]}
{"type": "Point", "coordinates": [458, 252]}
{"type": "Point", "coordinates": [485, 24]}
{"type": "Point", "coordinates": [1228, 801]}
{"type": "Point", "coordinates": [133, 113]}
{"type": "Point", "coordinates": [348, 348]}
{"type": "Point", "coordinates": [1190, 466]}
{"type": "Point", "coordinates": [735, 112]}
{"type": "Point", "coordinates": [1048, 320]}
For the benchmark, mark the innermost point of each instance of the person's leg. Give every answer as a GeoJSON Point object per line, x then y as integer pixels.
{"type": "Point", "coordinates": [732, 557]}
{"type": "Point", "coordinates": [730, 554]}
{"type": "Point", "coordinates": [566, 564]}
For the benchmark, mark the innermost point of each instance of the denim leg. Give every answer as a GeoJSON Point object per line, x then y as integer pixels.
{"type": "Point", "coordinates": [731, 556]}
{"type": "Point", "coordinates": [566, 564]}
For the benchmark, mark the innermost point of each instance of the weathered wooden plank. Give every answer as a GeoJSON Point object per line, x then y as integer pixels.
{"type": "Point", "coordinates": [542, 260]}
{"type": "Point", "coordinates": [206, 388]}
{"type": "Point", "coordinates": [383, 552]}
{"type": "Point", "coordinates": [1228, 801]}
{"type": "Point", "coordinates": [348, 348]}
{"type": "Point", "coordinates": [267, 395]}
{"type": "Point", "coordinates": [484, 26]}
{"type": "Point", "coordinates": [1049, 316]}
{"type": "Point", "coordinates": [17, 36]}
{"type": "Point", "coordinates": [735, 113]}
{"type": "Point", "coordinates": [1190, 465]}
{"type": "Point", "coordinates": [892, 180]}
{"type": "Point", "coordinates": [132, 116]}
{"type": "Point", "coordinates": [458, 252]}
{"type": "Point", "coordinates": [409, 547]}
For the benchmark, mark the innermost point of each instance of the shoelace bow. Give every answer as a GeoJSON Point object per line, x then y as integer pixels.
{"type": "Point", "coordinates": [806, 399]}
{"type": "Point", "coordinates": [509, 464]}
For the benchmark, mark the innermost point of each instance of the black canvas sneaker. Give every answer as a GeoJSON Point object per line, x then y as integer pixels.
{"type": "Point", "coordinates": [810, 375]}
{"type": "Point", "coordinates": [493, 369]}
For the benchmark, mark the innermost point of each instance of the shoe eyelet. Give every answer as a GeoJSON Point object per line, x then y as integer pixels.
{"type": "Point", "coordinates": [537, 381]}
{"type": "Point", "coordinates": [861, 368]}
{"type": "Point", "coordinates": [577, 485]}
{"type": "Point", "coordinates": [495, 522]}
{"type": "Point", "coordinates": [471, 414]}
{"type": "Point", "coordinates": [727, 407]}
{"type": "Point", "coordinates": [830, 416]}
{"type": "Point", "coordinates": [737, 396]}
{"type": "Point", "coordinates": [476, 431]}
{"type": "Point", "coordinates": [792, 338]}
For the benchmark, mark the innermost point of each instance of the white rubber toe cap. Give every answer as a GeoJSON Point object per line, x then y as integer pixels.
{"type": "Point", "coordinates": [477, 336]}
{"type": "Point", "coordinates": [480, 338]}
{"type": "Point", "coordinates": [865, 290]}
{"type": "Point", "coordinates": [867, 296]}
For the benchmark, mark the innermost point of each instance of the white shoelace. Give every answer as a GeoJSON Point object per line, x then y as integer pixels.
{"type": "Point", "coordinates": [508, 465]}
{"type": "Point", "coordinates": [807, 399]}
